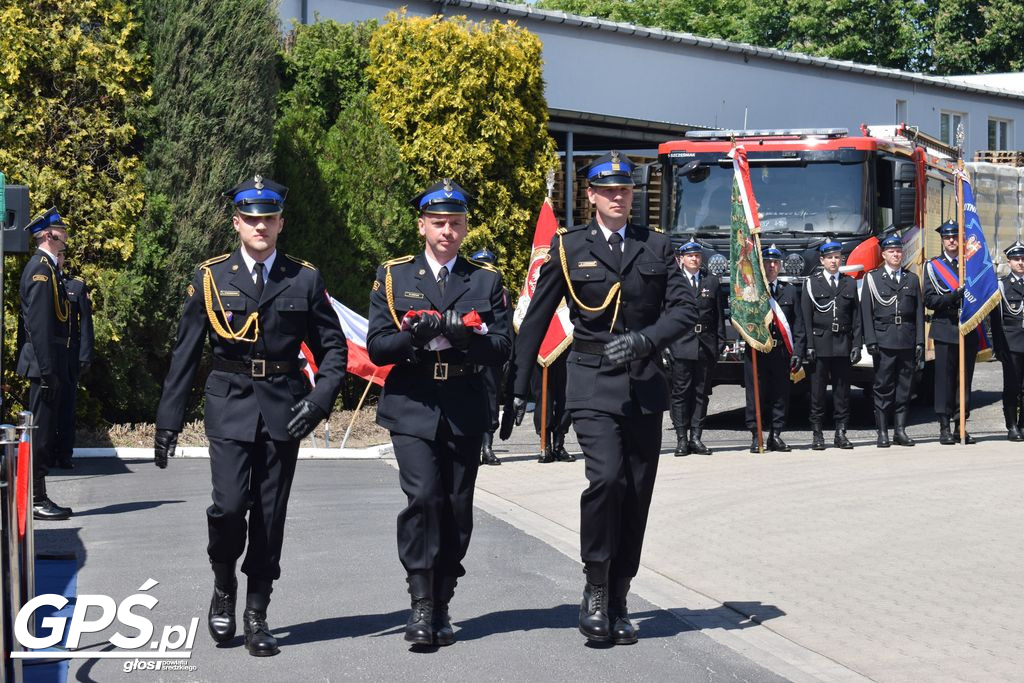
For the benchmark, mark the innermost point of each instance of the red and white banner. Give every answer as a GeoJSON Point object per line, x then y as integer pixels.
{"type": "Point", "coordinates": [354, 326]}
{"type": "Point", "coordinates": [559, 334]}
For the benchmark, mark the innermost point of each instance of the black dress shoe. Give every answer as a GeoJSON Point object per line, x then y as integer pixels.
{"type": "Point", "coordinates": [1014, 434]}
{"type": "Point", "coordinates": [221, 618]}
{"type": "Point", "coordinates": [487, 456]}
{"type": "Point", "coordinates": [594, 623]}
{"type": "Point", "coordinates": [945, 436]}
{"type": "Point", "coordinates": [696, 445]}
{"type": "Point", "coordinates": [840, 439]}
{"type": "Point", "coordinates": [682, 448]}
{"type": "Point", "coordinates": [901, 438]}
{"type": "Point", "coordinates": [775, 443]}
{"type": "Point", "coordinates": [546, 456]}
{"type": "Point", "coordinates": [623, 630]}
{"type": "Point", "coordinates": [259, 641]}
{"type": "Point", "coordinates": [817, 440]}
{"type": "Point", "coordinates": [968, 439]}
{"type": "Point", "coordinates": [444, 591]}
{"type": "Point", "coordinates": [882, 440]}
{"type": "Point", "coordinates": [753, 444]}
{"type": "Point", "coordinates": [46, 510]}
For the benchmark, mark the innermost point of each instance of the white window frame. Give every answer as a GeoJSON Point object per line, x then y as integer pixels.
{"type": "Point", "coordinates": [1007, 133]}
{"type": "Point", "coordinates": [951, 119]}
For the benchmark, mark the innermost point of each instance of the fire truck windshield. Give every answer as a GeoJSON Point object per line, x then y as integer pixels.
{"type": "Point", "coordinates": [795, 198]}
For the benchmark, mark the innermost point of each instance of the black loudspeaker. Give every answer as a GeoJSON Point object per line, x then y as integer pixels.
{"type": "Point", "coordinates": [16, 218]}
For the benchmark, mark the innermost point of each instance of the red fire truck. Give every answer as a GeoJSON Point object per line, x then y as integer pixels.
{"type": "Point", "coordinates": [811, 185]}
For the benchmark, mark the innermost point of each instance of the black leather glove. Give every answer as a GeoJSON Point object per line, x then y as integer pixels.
{"type": "Point", "coordinates": [854, 355]}
{"type": "Point", "coordinates": [666, 359]}
{"type": "Point", "coordinates": [424, 328]}
{"type": "Point", "coordinates": [456, 331]}
{"type": "Point", "coordinates": [794, 363]}
{"type": "Point", "coordinates": [519, 409]}
{"type": "Point", "coordinates": [307, 416]}
{"type": "Point", "coordinates": [809, 356]}
{"type": "Point", "coordinates": [958, 293]}
{"type": "Point", "coordinates": [873, 349]}
{"type": "Point", "coordinates": [83, 367]}
{"type": "Point", "coordinates": [508, 417]}
{"type": "Point", "coordinates": [49, 384]}
{"type": "Point", "coordinates": [919, 354]}
{"type": "Point", "coordinates": [626, 347]}
{"type": "Point", "coordinates": [164, 443]}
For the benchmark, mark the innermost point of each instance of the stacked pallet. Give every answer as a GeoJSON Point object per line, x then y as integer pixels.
{"type": "Point", "coordinates": [1001, 156]}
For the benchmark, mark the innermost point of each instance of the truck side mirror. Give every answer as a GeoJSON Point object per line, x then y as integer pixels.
{"type": "Point", "coordinates": [640, 212]}
{"type": "Point", "coordinates": [904, 194]}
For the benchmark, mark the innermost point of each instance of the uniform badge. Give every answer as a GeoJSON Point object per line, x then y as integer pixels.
{"type": "Point", "coordinates": [258, 180]}
{"type": "Point", "coordinates": [586, 264]}
{"type": "Point", "coordinates": [413, 295]}
{"type": "Point", "coordinates": [234, 268]}
{"type": "Point", "coordinates": [704, 292]}
{"type": "Point", "coordinates": [190, 290]}
{"type": "Point", "coordinates": [39, 278]}
{"type": "Point", "coordinates": [422, 272]}
{"type": "Point", "coordinates": [448, 189]}
{"type": "Point", "coordinates": [376, 285]}
{"type": "Point", "coordinates": [230, 292]}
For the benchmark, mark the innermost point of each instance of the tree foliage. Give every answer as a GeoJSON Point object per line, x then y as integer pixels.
{"type": "Point", "coordinates": [466, 100]}
{"type": "Point", "coordinates": [948, 37]}
{"type": "Point", "coordinates": [73, 79]}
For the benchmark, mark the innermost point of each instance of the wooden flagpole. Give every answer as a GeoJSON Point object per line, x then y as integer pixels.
{"type": "Point", "coordinates": [543, 407]}
{"type": "Point", "coordinates": [960, 337]}
{"type": "Point", "coordinates": [355, 413]}
{"type": "Point", "coordinates": [757, 402]}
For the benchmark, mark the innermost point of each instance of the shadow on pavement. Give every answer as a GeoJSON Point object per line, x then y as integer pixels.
{"type": "Point", "coordinates": [60, 541]}
{"type": "Point", "coordinates": [118, 508]}
{"type": "Point", "coordinates": [350, 626]}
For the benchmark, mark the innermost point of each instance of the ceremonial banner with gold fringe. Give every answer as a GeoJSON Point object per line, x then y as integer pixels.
{"type": "Point", "coordinates": [981, 285]}
{"type": "Point", "coordinates": [749, 301]}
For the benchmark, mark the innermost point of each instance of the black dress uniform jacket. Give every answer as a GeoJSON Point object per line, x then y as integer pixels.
{"type": "Point", "coordinates": [833, 332]}
{"type": "Point", "coordinates": [945, 307]}
{"type": "Point", "coordinates": [711, 335]}
{"type": "Point", "coordinates": [43, 325]}
{"type": "Point", "coordinates": [82, 337]}
{"type": "Point", "coordinates": [413, 402]}
{"type": "Point", "coordinates": [880, 326]}
{"type": "Point", "coordinates": [293, 309]}
{"type": "Point", "coordinates": [1008, 317]}
{"type": "Point", "coordinates": [655, 301]}
{"type": "Point", "coordinates": [787, 295]}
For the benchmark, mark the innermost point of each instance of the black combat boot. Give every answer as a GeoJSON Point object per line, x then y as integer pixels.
{"type": "Point", "coordinates": [487, 456]}
{"type": "Point", "coordinates": [682, 444]}
{"type": "Point", "coordinates": [968, 439]}
{"type": "Point", "coordinates": [546, 454]}
{"type": "Point", "coordinates": [221, 618]}
{"type": "Point", "coordinates": [558, 448]}
{"type": "Point", "coordinates": [1013, 432]}
{"type": "Point", "coordinates": [899, 431]}
{"type": "Point", "coordinates": [623, 630]}
{"type": "Point", "coordinates": [840, 439]}
{"type": "Point", "coordinates": [259, 640]}
{"type": "Point", "coordinates": [775, 442]}
{"type": "Point", "coordinates": [945, 436]}
{"type": "Point", "coordinates": [419, 627]}
{"type": "Point", "coordinates": [883, 429]}
{"type": "Point", "coordinates": [753, 442]}
{"type": "Point", "coordinates": [594, 622]}
{"type": "Point", "coordinates": [696, 445]}
{"type": "Point", "coordinates": [817, 438]}
{"type": "Point", "coordinates": [441, 625]}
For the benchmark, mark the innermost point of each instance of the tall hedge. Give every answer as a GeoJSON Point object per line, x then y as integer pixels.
{"type": "Point", "coordinates": [73, 79]}
{"type": "Point", "coordinates": [466, 100]}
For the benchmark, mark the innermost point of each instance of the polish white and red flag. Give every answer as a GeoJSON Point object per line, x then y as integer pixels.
{"type": "Point", "coordinates": [354, 326]}
{"type": "Point", "coordinates": [559, 334]}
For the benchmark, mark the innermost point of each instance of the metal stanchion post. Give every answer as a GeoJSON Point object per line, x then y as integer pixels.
{"type": "Point", "coordinates": [11, 560]}
{"type": "Point", "coordinates": [28, 543]}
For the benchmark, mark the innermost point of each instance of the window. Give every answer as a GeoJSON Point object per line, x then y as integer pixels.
{"type": "Point", "coordinates": [901, 112]}
{"type": "Point", "coordinates": [998, 134]}
{"type": "Point", "coordinates": [949, 121]}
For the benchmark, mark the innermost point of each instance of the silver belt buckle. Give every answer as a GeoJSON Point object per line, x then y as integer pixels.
{"type": "Point", "coordinates": [259, 368]}
{"type": "Point", "coordinates": [897, 319]}
{"type": "Point", "coordinates": [441, 371]}
{"type": "Point", "coordinates": [698, 328]}
{"type": "Point", "coordinates": [835, 327]}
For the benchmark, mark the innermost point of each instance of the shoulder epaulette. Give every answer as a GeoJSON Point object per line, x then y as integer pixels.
{"type": "Point", "coordinates": [400, 259]}
{"type": "Point", "coordinates": [215, 259]}
{"type": "Point", "coordinates": [655, 228]}
{"type": "Point", "coordinates": [307, 264]}
{"type": "Point", "coordinates": [561, 231]}
{"type": "Point", "coordinates": [79, 278]}
{"type": "Point", "coordinates": [483, 264]}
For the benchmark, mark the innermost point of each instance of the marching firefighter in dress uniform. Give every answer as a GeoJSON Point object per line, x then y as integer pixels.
{"type": "Point", "coordinates": [774, 368]}
{"type": "Point", "coordinates": [43, 341]}
{"type": "Point", "coordinates": [80, 354]}
{"type": "Point", "coordinates": [627, 300]}
{"type": "Point", "coordinates": [493, 376]}
{"type": "Point", "coordinates": [694, 354]}
{"type": "Point", "coordinates": [831, 315]}
{"type": "Point", "coordinates": [1008, 341]}
{"type": "Point", "coordinates": [892, 312]}
{"type": "Point", "coordinates": [256, 306]}
{"type": "Point", "coordinates": [943, 294]}
{"type": "Point", "coordinates": [442, 320]}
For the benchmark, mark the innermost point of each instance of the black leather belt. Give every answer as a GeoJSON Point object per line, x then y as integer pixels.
{"type": "Point", "coordinates": [834, 327]}
{"type": "Point", "coordinates": [257, 368]}
{"type": "Point", "coordinates": [702, 326]}
{"type": "Point", "coordinates": [442, 372]}
{"type": "Point", "coordinates": [596, 348]}
{"type": "Point", "coordinates": [894, 319]}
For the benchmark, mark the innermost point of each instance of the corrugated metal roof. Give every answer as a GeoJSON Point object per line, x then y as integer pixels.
{"type": "Point", "coordinates": [533, 14]}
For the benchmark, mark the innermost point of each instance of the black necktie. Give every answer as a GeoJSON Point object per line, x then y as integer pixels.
{"type": "Point", "coordinates": [693, 281]}
{"type": "Point", "coordinates": [773, 290]}
{"type": "Point", "coordinates": [442, 278]}
{"type": "Point", "coordinates": [614, 240]}
{"type": "Point", "coordinates": [258, 268]}
{"type": "Point", "coordinates": [835, 282]}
